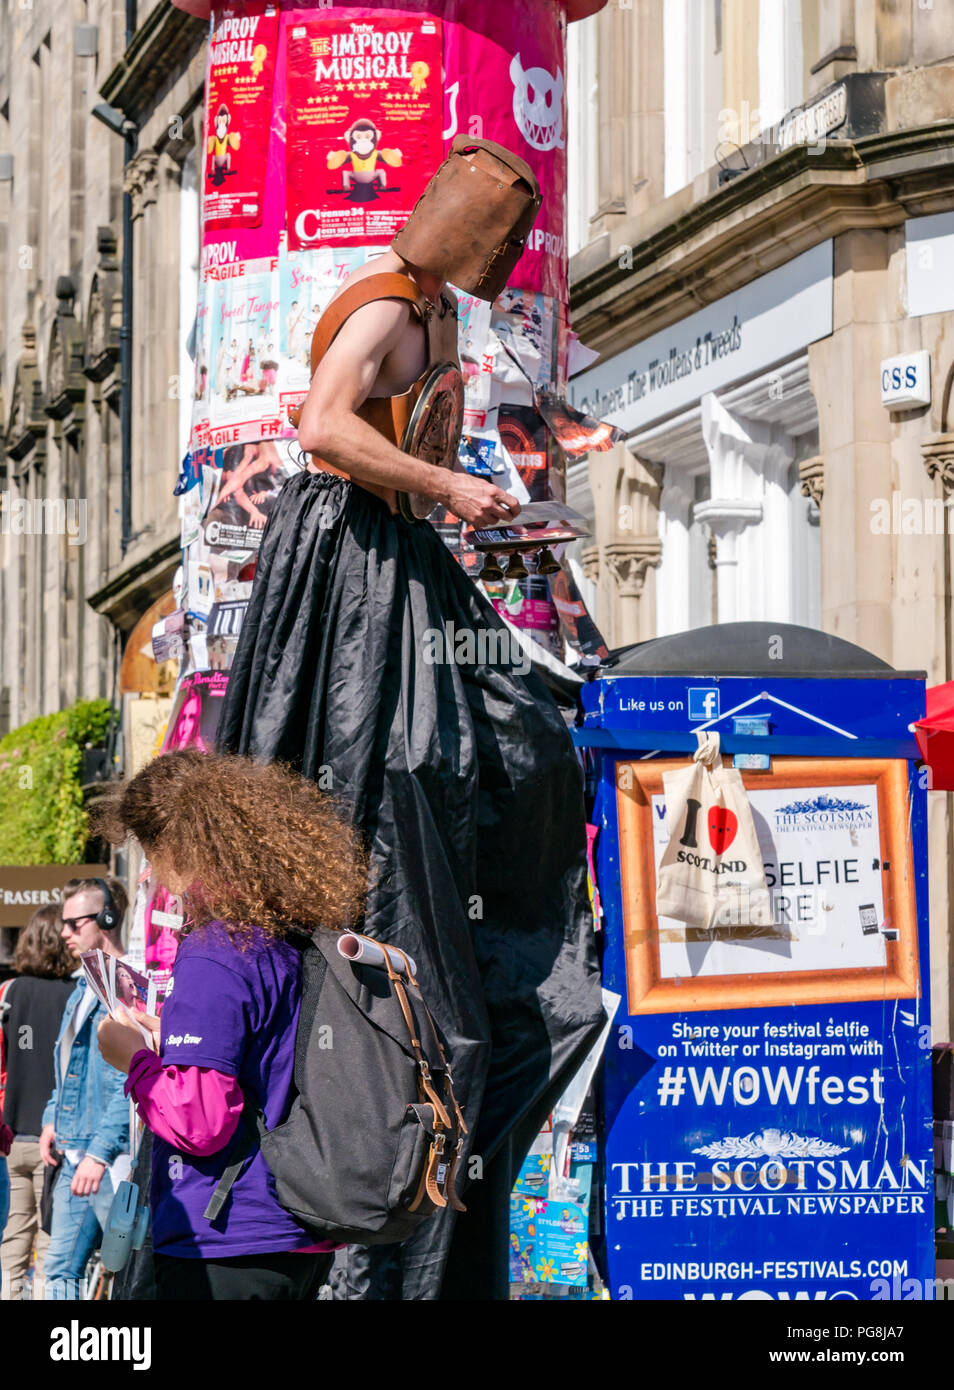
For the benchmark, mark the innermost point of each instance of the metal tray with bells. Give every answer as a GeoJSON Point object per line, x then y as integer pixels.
{"type": "Point", "coordinates": [539, 526]}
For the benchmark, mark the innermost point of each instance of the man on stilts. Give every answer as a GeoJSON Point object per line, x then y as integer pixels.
{"type": "Point", "coordinates": [463, 777]}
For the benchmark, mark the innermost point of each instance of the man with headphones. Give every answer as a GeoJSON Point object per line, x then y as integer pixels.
{"type": "Point", "coordinates": [87, 1117]}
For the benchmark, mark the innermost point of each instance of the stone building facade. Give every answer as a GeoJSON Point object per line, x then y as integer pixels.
{"type": "Point", "coordinates": [762, 206]}
{"type": "Point", "coordinates": [86, 545]}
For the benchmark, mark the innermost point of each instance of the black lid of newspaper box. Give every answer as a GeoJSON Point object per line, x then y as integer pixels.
{"type": "Point", "coordinates": [751, 649]}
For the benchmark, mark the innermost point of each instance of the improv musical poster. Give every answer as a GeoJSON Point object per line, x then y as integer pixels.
{"type": "Point", "coordinates": [364, 100]}
{"type": "Point", "coordinates": [244, 324]}
{"type": "Point", "coordinates": [238, 114]}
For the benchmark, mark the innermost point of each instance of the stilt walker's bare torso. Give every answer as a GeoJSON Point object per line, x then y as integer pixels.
{"type": "Point", "coordinates": [429, 336]}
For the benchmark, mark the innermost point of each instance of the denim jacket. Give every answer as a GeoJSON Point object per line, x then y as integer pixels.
{"type": "Point", "coordinates": [87, 1107]}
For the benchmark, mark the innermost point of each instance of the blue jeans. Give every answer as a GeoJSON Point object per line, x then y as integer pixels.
{"type": "Point", "coordinates": [75, 1233]}
{"type": "Point", "coordinates": [4, 1199]}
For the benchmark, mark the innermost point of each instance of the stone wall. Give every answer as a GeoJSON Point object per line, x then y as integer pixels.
{"type": "Point", "coordinates": [62, 606]}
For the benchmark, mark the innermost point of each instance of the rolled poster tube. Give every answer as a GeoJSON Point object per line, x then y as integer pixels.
{"type": "Point", "coordinates": [360, 948]}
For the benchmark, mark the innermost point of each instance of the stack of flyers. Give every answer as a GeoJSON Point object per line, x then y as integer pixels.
{"type": "Point", "coordinates": [538, 523]}
{"type": "Point", "coordinates": [121, 989]}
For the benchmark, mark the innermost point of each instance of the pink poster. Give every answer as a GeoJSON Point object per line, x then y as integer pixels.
{"type": "Point", "coordinates": [503, 79]}
{"type": "Point", "coordinates": [501, 76]}
{"type": "Point", "coordinates": [243, 351]}
{"type": "Point", "coordinates": [195, 713]}
{"type": "Point", "coordinates": [363, 114]}
{"type": "Point", "coordinates": [238, 104]}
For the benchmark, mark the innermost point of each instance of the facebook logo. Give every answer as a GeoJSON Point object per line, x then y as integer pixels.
{"type": "Point", "coordinates": [703, 702]}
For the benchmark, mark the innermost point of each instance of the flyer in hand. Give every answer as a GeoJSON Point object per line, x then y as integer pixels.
{"type": "Point", "coordinates": [120, 988]}
{"type": "Point", "coordinates": [538, 524]}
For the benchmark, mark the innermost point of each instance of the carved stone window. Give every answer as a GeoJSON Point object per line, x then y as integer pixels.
{"type": "Point", "coordinates": [66, 383]}
{"type": "Point", "coordinates": [103, 311]}
{"type": "Point", "coordinates": [27, 423]}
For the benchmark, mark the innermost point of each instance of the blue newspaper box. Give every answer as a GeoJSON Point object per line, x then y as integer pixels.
{"type": "Point", "coordinates": [767, 1100]}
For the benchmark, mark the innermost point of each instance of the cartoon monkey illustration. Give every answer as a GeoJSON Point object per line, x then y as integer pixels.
{"type": "Point", "coordinates": [362, 154]}
{"type": "Point", "coordinates": [221, 144]}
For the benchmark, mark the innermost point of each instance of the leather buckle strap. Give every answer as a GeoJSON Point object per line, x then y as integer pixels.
{"type": "Point", "coordinates": [422, 1062]}
{"type": "Point", "coordinates": [385, 285]}
{"type": "Point", "coordinates": [450, 1181]}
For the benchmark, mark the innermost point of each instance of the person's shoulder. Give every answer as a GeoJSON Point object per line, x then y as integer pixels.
{"type": "Point", "coordinates": [215, 942]}
{"type": "Point", "coordinates": [380, 310]}
{"type": "Point", "coordinates": [212, 941]}
{"type": "Point", "coordinates": [47, 989]}
{"type": "Point", "coordinates": [43, 987]}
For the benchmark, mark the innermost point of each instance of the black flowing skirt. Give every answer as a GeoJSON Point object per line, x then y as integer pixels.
{"type": "Point", "coordinates": [464, 781]}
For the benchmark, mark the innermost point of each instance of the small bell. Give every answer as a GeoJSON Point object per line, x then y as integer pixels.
{"type": "Point", "coordinates": [546, 562]}
{"type": "Point", "coordinates": [491, 572]}
{"type": "Point", "coordinates": [516, 569]}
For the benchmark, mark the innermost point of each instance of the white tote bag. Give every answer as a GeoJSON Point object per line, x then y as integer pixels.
{"type": "Point", "coordinates": [711, 873]}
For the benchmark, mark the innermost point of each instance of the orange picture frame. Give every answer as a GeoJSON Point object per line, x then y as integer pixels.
{"type": "Point", "coordinates": [649, 993]}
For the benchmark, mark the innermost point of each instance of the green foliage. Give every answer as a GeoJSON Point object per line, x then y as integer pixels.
{"type": "Point", "coordinates": [42, 820]}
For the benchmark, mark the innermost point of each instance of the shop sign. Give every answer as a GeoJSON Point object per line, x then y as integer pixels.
{"type": "Point", "coordinates": [906, 380]}
{"type": "Point", "coordinates": [814, 122]}
{"type": "Point", "coordinates": [23, 890]}
{"type": "Point", "coordinates": [764, 322]}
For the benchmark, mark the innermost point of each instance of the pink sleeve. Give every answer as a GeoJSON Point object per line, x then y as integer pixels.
{"type": "Point", "coordinates": [196, 1109]}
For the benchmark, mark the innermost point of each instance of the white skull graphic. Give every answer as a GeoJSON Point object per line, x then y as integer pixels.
{"type": "Point", "coordinates": [538, 105]}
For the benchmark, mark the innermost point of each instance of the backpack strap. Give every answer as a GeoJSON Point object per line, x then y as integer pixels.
{"type": "Point", "coordinates": [446, 1064]}
{"type": "Point", "coordinates": [386, 285]}
{"type": "Point", "coordinates": [422, 1063]}
{"type": "Point", "coordinates": [248, 1137]}
{"type": "Point", "coordinates": [431, 1182]}
{"type": "Point", "coordinates": [450, 1181]}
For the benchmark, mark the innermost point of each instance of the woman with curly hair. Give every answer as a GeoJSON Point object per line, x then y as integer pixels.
{"type": "Point", "coordinates": [31, 1011]}
{"type": "Point", "coordinates": [256, 853]}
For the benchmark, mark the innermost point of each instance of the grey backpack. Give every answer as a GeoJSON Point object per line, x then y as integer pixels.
{"type": "Point", "coordinates": [373, 1140]}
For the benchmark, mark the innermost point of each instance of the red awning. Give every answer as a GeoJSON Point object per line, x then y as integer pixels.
{"type": "Point", "coordinates": [935, 736]}
{"type": "Point", "coordinates": [575, 9]}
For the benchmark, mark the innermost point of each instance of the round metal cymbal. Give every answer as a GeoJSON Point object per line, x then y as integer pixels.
{"type": "Point", "coordinates": [433, 431]}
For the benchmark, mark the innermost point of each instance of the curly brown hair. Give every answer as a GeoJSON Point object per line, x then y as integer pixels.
{"type": "Point", "coordinates": [40, 948]}
{"type": "Point", "coordinates": [258, 845]}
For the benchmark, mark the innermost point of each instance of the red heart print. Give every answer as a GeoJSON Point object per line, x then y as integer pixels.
{"type": "Point", "coordinates": [722, 825]}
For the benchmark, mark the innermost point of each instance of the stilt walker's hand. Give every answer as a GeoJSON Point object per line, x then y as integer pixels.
{"type": "Point", "coordinates": [480, 503]}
